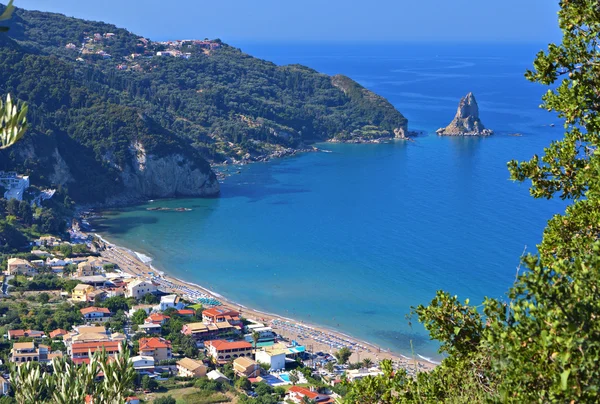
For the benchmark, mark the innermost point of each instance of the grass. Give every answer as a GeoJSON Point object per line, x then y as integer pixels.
{"type": "Point", "coordinates": [191, 395]}
{"type": "Point", "coordinates": [194, 306]}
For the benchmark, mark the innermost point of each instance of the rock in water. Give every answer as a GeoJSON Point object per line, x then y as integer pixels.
{"type": "Point", "coordinates": [466, 122]}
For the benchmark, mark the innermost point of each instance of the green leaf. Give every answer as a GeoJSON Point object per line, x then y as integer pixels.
{"type": "Point", "coordinates": [564, 377]}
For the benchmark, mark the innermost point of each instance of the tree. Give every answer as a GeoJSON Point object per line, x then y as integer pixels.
{"type": "Point", "coordinates": [148, 383]}
{"type": "Point", "coordinates": [243, 383]}
{"type": "Point", "coordinates": [139, 316]}
{"type": "Point", "coordinates": [367, 363]}
{"type": "Point", "coordinates": [43, 298]}
{"type": "Point", "coordinates": [330, 367]}
{"type": "Point", "coordinates": [13, 120]}
{"type": "Point", "coordinates": [294, 377]}
{"type": "Point", "coordinates": [71, 383]}
{"type": "Point", "coordinates": [165, 400]}
{"type": "Point", "coordinates": [255, 338]}
{"type": "Point", "coordinates": [342, 355]}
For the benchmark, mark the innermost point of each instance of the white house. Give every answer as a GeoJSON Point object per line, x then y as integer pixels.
{"type": "Point", "coordinates": [169, 301]}
{"type": "Point", "coordinates": [143, 363]}
{"type": "Point", "coordinates": [138, 288]}
{"type": "Point", "coordinates": [217, 376]}
{"type": "Point", "coordinates": [273, 356]}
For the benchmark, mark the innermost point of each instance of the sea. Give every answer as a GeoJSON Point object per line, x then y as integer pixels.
{"type": "Point", "coordinates": [354, 237]}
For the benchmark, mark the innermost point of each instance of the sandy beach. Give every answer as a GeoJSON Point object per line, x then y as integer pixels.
{"type": "Point", "coordinates": [313, 337]}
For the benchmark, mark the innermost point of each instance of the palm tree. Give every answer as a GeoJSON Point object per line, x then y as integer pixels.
{"type": "Point", "coordinates": [294, 378]}
{"type": "Point", "coordinates": [330, 367]}
{"type": "Point", "coordinates": [255, 338]}
{"type": "Point", "coordinates": [367, 363]}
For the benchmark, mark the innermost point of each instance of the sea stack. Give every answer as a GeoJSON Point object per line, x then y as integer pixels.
{"type": "Point", "coordinates": [466, 122]}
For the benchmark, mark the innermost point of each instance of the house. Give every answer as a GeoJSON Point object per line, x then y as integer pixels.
{"type": "Point", "coordinates": [217, 315]}
{"type": "Point", "coordinates": [22, 352]}
{"type": "Point", "coordinates": [47, 241]}
{"type": "Point", "coordinates": [222, 351]}
{"type": "Point", "coordinates": [203, 332]}
{"type": "Point", "coordinates": [132, 400]}
{"type": "Point", "coordinates": [150, 328]}
{"type": "Point", "coordinates": [96, 314]}
{"type": "Point", "coordinates": [97, 281]}
{"type": "Point", "coordinates": [41, 253]}
{"type": "Point", "coordinates": [274, 356]}
{"type": "Point", "coordinates": [16, 334]}
{"type": "Point", "coordinates": [186, 312]}
{"type": "Point", "coordinates": [146, 307]}
{"type": "Point", "coordinates": [81, 352]}
{"type": "Point", "coordinates": [296, 394]}
{"type": "Point", "coordinates": [156, 318]}
{"type": "Point", "coordinates": [139, 287]}
{"type": "Point", "coordinates": [190, 368]}
{"type": "Point", "coordinates": [159, 348]}
{"type": "Point", "coordinates": [357, 374]}
{"type": "Point", "coordinates": [169, 301]}
{"type": "Point", "coordinates": [217, 376]}
{"type": "Point", "coordinates": [81, 292]}
{"type": "Point", "coordinates": [87, 333]}
{"type": "Point", "coordinates": [84, 269]}
{"type": "Point", "coordinates": [18, 266]}
{"type": "Point", "coordinates": [246, 367]}
{"type": "Point", "coordinates": [58, 333]}
{"type": "Point", "coordinates": [4, 386]}
{"type": "Point", "coordinates": [143, 363]}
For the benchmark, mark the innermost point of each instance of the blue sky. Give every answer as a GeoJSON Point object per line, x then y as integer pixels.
{"type": "Point", "coordinates": [330, 20]}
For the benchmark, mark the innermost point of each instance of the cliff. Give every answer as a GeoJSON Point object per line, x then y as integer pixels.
{"type": "Point", "coordinates": [466, 122]}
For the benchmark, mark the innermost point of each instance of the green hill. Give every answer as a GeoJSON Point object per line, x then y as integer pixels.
{"type": "Point", "coordinates": [112, 121]}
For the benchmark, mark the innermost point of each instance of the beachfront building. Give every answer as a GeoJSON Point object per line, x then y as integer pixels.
{"type": "Point", "coordinates": [297, 394]}
{"type": "Point", "coordinates": [246, 367]}
{"type": "Point", "coordinates": [168, 302]}
{"type": "Point", "coordinates": [273, 355]}
{"type": "Point", "coordinates": [95, 314]}
{"type": "Point", "coordinates": [17, 334]}
{"type": "Point", "coordinates": [217, 315]}
{"type": "Point", "coordinates": [187, 367]}
{"type": "Point", "coordinates": [357, 374]}
{"type": "Point", "coordinates": [221, 351]}
{"type": "Point", "coordinates": [81, 292]}
{"type": "Point", "coordinates": [159, 348]}
{"type": "Point", "coordinates": [19, 266]}
{"type": "Point", "coordinates": [143, 363]}
{"type": "Point", "coordinates": [138, 288]}
{"type": "Point", "coordinates": [204, 332]}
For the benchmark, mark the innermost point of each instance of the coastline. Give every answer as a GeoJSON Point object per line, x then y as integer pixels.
{"type": "Point", "coordinates": [316, 338]}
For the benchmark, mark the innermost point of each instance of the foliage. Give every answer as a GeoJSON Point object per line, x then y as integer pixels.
{"type": "Point", "coordinates": [70, 384]}
{"type": "Point", "coordinates": [342, 355]}
{"type": "Point", "coordinates": [294, 377]}
{"type": "Point", "coordinates": [165, 400]}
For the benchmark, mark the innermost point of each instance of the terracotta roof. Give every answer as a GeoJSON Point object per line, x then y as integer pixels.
{"type": "Point", "coordinates": [189, 364]}
{"type": "Point", "coordinates": [220, 311]}
{"type": "Point", "coordinates": [245, 362]}
{"type": "Point", "coordinates": [186, 312]}
{"type": "Point", "coordinates": [89, 310]}
{"type": "Point", "coordinates": [220, 344]}
{"type": "Point", "coordinates": [84, 347]}
{"type": "Point", "coordinates": [157, 318]}
{"type": "Point", "coordinates": [154, 343]}
{"type": "Point", "coordinates": [305, 392]}
{"type": "Point", "coordinates": [23, 345]}
{"type": "Point", "coordinates": [59, 332]}
{"type": "Point", "coordinates": [16, 333]}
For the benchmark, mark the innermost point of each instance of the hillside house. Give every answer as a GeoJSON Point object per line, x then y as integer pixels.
{"type": "Point", "coordinates": [187, 367]}
{"type": "Point", "coordinates": [222, 351]}
{"type": "Point", "coordinates": [159, 348]}
{"type": "Point", "coordinates": [95, 314]}
{"type": "Point", "coordinates": [19, 266]}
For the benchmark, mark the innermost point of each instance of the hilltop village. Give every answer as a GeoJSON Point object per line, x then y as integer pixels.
{"type": "Point", "coordinates": [74, 299]}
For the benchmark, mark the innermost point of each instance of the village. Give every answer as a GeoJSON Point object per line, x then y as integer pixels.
{"type": "Point", "coordinates": [175, 335]}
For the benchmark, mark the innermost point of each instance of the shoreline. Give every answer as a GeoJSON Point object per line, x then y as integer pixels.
{"type": "Point", "coordinates": [318, 338]}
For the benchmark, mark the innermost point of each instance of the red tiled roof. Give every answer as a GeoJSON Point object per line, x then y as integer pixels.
{"type": "Point", "coordinates": [84, 347]}
{"type": "Point", "coordinates": [186, 312]}
{"type": "Point", "coordinates": [16, 333]}
{"type": "Point", "coordinates": [59, 332]}
{"type": "Point", "coordinates": [92, 309]}
{"type": "Point", "coordinates": [305, 392]}
{"type": "Point", "coordinates": [220, 344]}
{"type": "Point", "coordinates": [220, 311]}
{"type": "Point", "coordinates": [157, 318]}
{"type": "Point", "coordinates": [154, 343]}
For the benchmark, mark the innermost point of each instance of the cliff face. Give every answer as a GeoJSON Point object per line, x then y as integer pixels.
{"type": "Point", "coordinates": [466, 122]}
{"type": "Point", "coordinates": [152, 176]}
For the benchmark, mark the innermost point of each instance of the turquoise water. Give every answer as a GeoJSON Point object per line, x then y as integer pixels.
{"type": "Point", "coordinates": [353, 238]}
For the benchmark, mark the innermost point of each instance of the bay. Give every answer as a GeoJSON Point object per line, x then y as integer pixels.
{"type": "Point", "coordinates": [351, 239]}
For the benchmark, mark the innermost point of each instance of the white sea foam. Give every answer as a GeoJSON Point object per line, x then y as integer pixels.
{"type": "Point", "coordinates": [143, 257]}
{"type": "Point", "coordinates": [428, 359]}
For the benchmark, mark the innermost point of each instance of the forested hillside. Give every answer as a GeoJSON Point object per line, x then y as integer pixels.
{"type": "Point", "coordinates": [104, 107]}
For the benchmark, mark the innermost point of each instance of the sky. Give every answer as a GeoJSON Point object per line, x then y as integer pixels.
{"type": "Point", "coordinates": [322, 20]}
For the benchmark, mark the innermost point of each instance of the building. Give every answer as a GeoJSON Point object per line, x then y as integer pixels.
{"type": "Point", "coordinates": [246, 367]}
{"type": "Point", "coordinates": [139, 287]}
{"type": "Point", "coordinates": [190, 368]}
{"type": "Point", "coordinates": [47, 241]}
{"type": "Point", "coordinates": [158, 348]}
{"type": "Point", "coordinates": [58, 333]}
{"type": "Point", "coordinates": [4, 386]}
{"type": "Point", "coordinates": [81, 352]}
{"type": "Point", "coordinates": [274, 356]}
{"type": "Point", "coordinates": [18, 266]}
{"type": "Point", "coordinates": [357, 374]}
{"type": "Point", "coordinates": [156, 318]}
{"type": "Point", "coordinates": [150, 329]}
{"type": "Point", "coordinates": [217, 376]}
{"type": "Point", "coordinates": [14, 184]}
{"type": "Point", "coordinates": [222, 351]}
{"type": "Point", "coordinates": [16, 334]}
{"type": "Point", "coordinates": [84, 269]}
{"type": "Point", "coordinates": [96, 314]}
{"type": "Point", "coordinates": [296, 394]}
{"type": "Point", "coordinates": [169, 301]}
{"type": "Point", "coordinates": [204, 332]}
{"type": "Point", "coordinates": [81, 292]}
{"type": "Point", "coordinates": [217, 315]}
{"type": "Point", "coordinates": [22, 352]}
{"type": "Point", "coordinates": [186, 312]}
{"type": "Point", "coordinates": [146, 307]}
{"type": "Point", "coordinates": [143, 363]}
